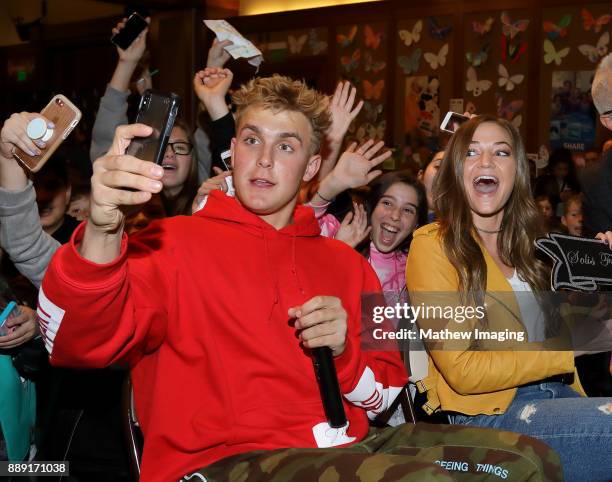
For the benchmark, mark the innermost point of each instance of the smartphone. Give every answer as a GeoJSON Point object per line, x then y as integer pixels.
{"type": "Point", "coordinates": [452, 121]}
{"type": "Point", "coordinates": [11, 310]}
{"type": "Point", "coordinates": [65, 116]}
{"type": "Point", "coordinates": [133, 28]}
{"type": "Point", "coordinates": [157, 110]}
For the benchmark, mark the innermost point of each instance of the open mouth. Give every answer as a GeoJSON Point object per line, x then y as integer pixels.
{"type": "Point", "coordinates": [169, 167]}
{"type": "Point", "coordinates": [388, 234]}
{"type": "Point", "coordinates": [262, 183]}
{"type": "Point", "coordinates": [485, 184]}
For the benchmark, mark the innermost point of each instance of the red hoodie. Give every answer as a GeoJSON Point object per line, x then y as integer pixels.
{"type": "Point", "coordinates": [198, 307]}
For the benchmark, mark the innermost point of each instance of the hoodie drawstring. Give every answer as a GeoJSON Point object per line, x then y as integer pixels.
{"type": "Point", "coordinates": [273, 275]}
{"type": "Point", "coordinates": [294, 266]}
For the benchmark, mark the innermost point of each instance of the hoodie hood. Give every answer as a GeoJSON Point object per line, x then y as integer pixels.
{"type": "Point", "coordinates": [225, 209]}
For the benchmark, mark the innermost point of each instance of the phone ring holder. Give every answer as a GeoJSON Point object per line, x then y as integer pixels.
{"type": "Point", "coordinates": [38, 130]}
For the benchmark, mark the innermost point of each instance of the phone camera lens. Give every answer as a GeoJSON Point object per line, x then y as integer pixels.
{"type": "Point", "coordinates": [59, 102]}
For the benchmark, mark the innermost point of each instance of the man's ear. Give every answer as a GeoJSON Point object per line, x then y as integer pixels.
{"type": "Point", "coordinates": [606, 121]}
{"type": "Point", "coordinates": [563, 221]}
{"type": "Point", "coordinates": [232, 144]}
{"type": "Point", "coordinates": [314, 163]}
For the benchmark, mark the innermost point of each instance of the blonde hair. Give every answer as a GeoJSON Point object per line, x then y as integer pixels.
{"type": "Point", "coordinates": [279, 93]}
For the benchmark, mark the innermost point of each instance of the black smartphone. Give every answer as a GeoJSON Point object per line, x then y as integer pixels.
{"type": "Point", "coordinates": [133, 28]}
{"type": "Point", "coordinates": [157, 110]}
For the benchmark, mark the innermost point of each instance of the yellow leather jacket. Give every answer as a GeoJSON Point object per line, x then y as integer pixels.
{"type": "Point", "coordinates": [468, 381]}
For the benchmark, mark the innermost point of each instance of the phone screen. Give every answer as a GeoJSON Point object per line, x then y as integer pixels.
{"type": "Point", "coordinates": [158, 111]}
{"type": "Point", "coordinates": [133, 27]}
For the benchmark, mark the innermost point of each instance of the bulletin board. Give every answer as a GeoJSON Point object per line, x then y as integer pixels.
{"type": "Point", "coordinates": [573, 41]}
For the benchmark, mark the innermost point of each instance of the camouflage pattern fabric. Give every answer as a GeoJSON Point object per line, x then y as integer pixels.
{"type": "Point", "coordinates": [421, 452]}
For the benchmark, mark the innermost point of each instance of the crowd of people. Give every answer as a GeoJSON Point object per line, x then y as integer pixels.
{"type": "Point", "coordinates": [211, 277]}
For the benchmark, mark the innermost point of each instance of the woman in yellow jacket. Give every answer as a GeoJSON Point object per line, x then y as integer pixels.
{"type": "Point", "coordinates": [481, 254]}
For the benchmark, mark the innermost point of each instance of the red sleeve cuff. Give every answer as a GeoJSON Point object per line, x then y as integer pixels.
{"type": "Point", "coordinates": [347, 365]}
{"type": "Point", "coordinates": [78, 271]}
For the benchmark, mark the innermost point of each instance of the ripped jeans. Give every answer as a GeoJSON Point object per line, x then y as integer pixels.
{"type": "Point", "coordinates": [579, 429]}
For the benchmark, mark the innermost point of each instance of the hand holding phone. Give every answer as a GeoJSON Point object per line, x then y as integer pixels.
{"type": "Point", "coordinates": [36, 137]}
{"type": "Point", "coordinates": [452, 121]}
{"type": "Point", "coordinates": [124, 37]}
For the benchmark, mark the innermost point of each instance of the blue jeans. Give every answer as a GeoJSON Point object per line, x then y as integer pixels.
{"type": "Point", "coordinates": [579, 429]}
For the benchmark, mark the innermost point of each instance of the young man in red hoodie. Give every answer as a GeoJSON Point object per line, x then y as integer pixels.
{"type": "Point", "coordinates": [216, 313]}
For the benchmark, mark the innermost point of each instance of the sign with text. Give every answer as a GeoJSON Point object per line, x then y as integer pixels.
{"type": "Point", "coordinates": [581, 264]}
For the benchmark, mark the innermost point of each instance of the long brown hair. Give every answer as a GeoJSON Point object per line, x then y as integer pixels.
{"type": "Point", "coordinates": [181, 203]}
{"type": "Point", "coordinates": [520, 225]}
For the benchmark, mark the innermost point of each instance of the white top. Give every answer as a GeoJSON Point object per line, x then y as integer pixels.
{"type": "Point", "coordinates": [531, 312]}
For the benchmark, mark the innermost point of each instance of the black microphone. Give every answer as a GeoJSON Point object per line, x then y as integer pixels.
{"type": "Point", "coordinates": [325, 371]}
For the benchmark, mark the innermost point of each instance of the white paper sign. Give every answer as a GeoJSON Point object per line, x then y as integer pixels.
{"type": "Point", "coordinates": [241, 48]}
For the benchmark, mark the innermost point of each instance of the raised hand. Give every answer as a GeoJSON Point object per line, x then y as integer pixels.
{"type": "Point", "coordinates": [211, 184]}
{"type": "Point", "coordinates": [354, 228]}
{"type": "Point", "coordinates": [355, 168]}
{"type": "Point", "coordinates": [135, 51]}
{"type": "Point", "coordinates": [14, 134]}
{"type": "Point", "coordinates": [211, 85]}
{"type": "Point", "coordinates": [120, 180]}
{"type": "Point", "coordinates": [342, 111]}
{"type": "Point", "coordinates": [217, 55]}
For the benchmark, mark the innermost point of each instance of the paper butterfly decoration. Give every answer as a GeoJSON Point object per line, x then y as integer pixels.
{"type": "Point", "coordinates": [482, 28]}
{"type": "Point", "coordinates": [351, 62]}
{"type": "Point", "coordinates": [372, 38]}
{"type": "Point", "coordinates": [588, 21]}
{"type": "Point", "coordinates": [372, 65]}
{"type": "Point", "coordinates": [346, 40]}
{"type": "Point", "coordinates": [412, 36]}
{"type": "Point", "coordinates": [556, 30]}
{"type": "Point", "coordinates": [509, 111]}
{"type": "Point", "coordinates": [372, 111]}
{"type": "Point", "coordinates": [317, 46]}
{"type": "Point", "coordinates": [373, 91]}
{"type": "Point", "coordinates": [475, 86]}
{"type": "Point", "coordinates": [552, 55]}
{"type": "Point", "coordinates": [371, 131]}
{"type": "Point", "coordinates": [410, 65]}
{"type": "Point", "coordinates": [512, 51]}
{"type": "Point", "coordinates": [436, 31]}
{"type": "Point", "coordinates": [596, 52]}
{"type": "Point", "coordinates": [512, 29]}
{"type": "Point", "coordinates": [479, 58]}
{"type": "Point", "coordinates": [437, 60]}
{"type": "Point", "coordinates": [296, 44]}
{"type": "Point", "coordinates": [506, 80]}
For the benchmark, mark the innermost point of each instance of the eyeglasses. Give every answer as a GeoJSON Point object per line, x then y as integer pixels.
{"type": "Point", "coordinates": [180, 148]}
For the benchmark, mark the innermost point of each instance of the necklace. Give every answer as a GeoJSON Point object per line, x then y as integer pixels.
{"type": "Point", "coordinates": [488, 231]}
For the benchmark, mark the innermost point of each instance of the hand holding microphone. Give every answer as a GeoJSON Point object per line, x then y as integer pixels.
{"type": "Point", "coordinates": [322, 324]}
